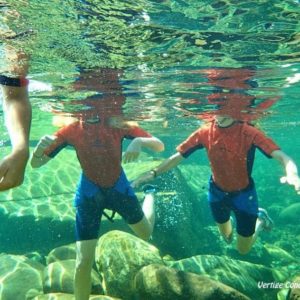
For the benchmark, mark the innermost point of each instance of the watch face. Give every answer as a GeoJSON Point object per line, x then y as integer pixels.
{"type": "Point", "coordinates": [153, 172]}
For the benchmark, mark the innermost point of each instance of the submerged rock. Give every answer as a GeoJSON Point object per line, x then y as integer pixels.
{"type": "Point", "coordinates": [19, 277]}
{"type": "Point", "coordinates": [62, 253]}
{"type": "Point", "coordinates": [241, 275]}
{"type": "Point", "coordinates": [290, 215]}
{"type": "Point", "coordinates": [59, 278]}
{"type": "Point", "coordinates": [290, 290]}
{"type": "Point", "coordinates": [280, 255]}
{"type": "Point", "coordinates": [157, 282]}
{"type": "Point", "coordinates": [119, 256]}
{"type": "Point", "coordinates": [294, 289]}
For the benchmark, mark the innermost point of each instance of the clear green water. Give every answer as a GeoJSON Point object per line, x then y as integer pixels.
{"type": "Point", "coordinates": [162, 48]}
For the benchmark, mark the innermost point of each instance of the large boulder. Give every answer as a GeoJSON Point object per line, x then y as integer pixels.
{"type": "Point", "coordinates": [290, 214]}
{"type": "Point", "coordinates": [280, 256]}
{"type": "Point", "coordinates": [290, 289]}
{"type": "Point", "coordinates": [157, 282]}
{"type": "Point", "coordinates": [294, 288]}
{"type": "Point", "coordinates": [119, 256]}
{"type": "Point", "coordinates": [20, 277]}
{"type": "Point", "coordinates": [59, 278]}
{"type": "Point", "coordinates": [240, 275]}
{"type": "Point", "coordinates": [61, 253]}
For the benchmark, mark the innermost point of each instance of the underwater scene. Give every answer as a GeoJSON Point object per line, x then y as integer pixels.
{"type": "Point", "coordinates": [163, 149]}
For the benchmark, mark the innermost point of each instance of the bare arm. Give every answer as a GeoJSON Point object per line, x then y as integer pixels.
{"type": "Point", "coordinates": [168, 164]}
{"type": "Point", "coordinates": [38, 158]}
{"type": "Point", "coordinates": [17, 111]}
{"type": "Point", "coordinates": [134, 148]}
{"type": "Point", "coordinates": [165, 166]}
{"type": "Point", "coordinates": [290, 167]}
{"type": "Point", "coordinates": [152, 143]}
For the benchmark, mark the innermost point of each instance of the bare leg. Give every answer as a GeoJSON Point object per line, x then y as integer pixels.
{"type": "Point", "coordinates": [226, 231]}
{"type": "Point", "coordinates": [144, 228]}
{"type": "Point", "coordinates": [85, 255]}
{"type": "Point", "coordinates": [244, 244]}
{"type": "Point", "coordinates": [149, 209]}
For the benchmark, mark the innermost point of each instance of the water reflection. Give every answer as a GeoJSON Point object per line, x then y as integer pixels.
{"type": "Point", "coordinates": [231, 92]}
{"type": "Point", "coordinates": [152, 35]}
{"type": "Point", "coordinates": [105, 97]}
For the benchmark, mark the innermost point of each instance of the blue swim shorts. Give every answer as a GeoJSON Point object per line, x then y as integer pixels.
{"type": "Point", "coordinates": [91, 200]}
{"type": "Point", "coordinates": [243, 203]}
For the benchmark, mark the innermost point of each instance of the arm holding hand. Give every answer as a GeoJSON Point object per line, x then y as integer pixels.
{"type": "Point", "coordinates": [165, 166]}
{"type": "Point", "coordinates": [290, 167]}
{"type": "Point", "coordinates": [134, 148]}
{"type": "Point", "coordinates": [39, 158]}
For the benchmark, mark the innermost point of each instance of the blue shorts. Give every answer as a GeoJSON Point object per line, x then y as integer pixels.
{"type": "Point", "coordinates": [91, 200]}
{"type": "Point", "coordinates": [243, 203]}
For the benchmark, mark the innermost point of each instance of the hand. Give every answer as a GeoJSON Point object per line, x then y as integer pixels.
{"type": "Point", "coordinates": [12, 169]}
{"type": "Point", "coordinates": [43, 144]}
{"type": "Point", "coordinates": [142, 179]}
{"type": "Point", "coordinates": [133, 151]}
{"type": "Point", "coordinates": [292, 179]}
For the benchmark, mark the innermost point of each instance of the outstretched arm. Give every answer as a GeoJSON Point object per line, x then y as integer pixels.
{"type": "Point", "coordinates": [134, 148]}
{"type": "Point", "coordinates": [39, 158]}
{"type": "Point", "coordinates": [290, 167]}
{"type": "Point", "coordinates": [165, 166]}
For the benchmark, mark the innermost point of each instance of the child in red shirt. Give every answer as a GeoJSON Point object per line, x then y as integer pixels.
{"type": "Point", "coordinates": [103, 184]}
{"type": "Point", "coordinates": [97, 138]}
{"type": "Point", "coordinates": [230, 146]}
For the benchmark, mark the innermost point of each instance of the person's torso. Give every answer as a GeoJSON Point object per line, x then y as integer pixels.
{"type": "Point", "coordinates": [99, 151]}
{"type": "Point", "coordinates": [231, 154]}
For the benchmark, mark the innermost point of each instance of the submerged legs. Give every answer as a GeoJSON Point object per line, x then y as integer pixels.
{"type": "Point", "coordinates": [85, 255]}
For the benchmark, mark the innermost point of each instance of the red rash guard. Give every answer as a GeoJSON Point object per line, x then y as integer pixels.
{"type": "Point", "coordinates": [98, 148]}
{"type": "Point", "coordinates": [230, 151]}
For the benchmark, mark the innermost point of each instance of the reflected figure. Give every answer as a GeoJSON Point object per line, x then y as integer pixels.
{"type": "Point", "coordinates": [231, 95]}
{"type": "Point", "coordinates": [17, 110]}
{"type": "Point", "coordinates": [97, 138]}
{"type": "Point", "coordinates": [230, 142]}
{"type": "Point", "coordinates": [231, 91]}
